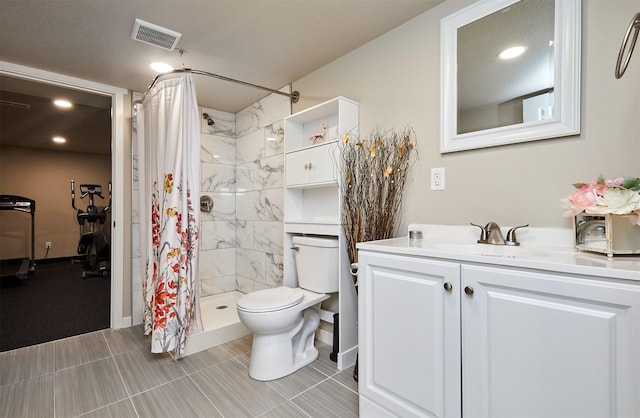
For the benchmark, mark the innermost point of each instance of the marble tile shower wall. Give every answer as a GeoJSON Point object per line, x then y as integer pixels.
{"type": "Point", "coordinates": [260, 193]}
{"type": "Point", "coordinates": [136, 259]}
{"type": "Point", "coordinates": [242, 169]}
{"type": "Point", "coordinates": [218, 180]}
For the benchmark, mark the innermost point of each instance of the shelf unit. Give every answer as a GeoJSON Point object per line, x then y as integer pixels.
{"type": "Point", "coordinates": [312, 206]}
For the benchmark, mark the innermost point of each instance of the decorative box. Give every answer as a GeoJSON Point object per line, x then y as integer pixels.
{"type": "Point", "coordinates": [607, 234]}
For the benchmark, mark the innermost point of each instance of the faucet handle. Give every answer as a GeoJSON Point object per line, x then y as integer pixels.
{"type": "Point", "coordinates": [511, 235]}
{"type": "Point", "coordinates": [483, 234]}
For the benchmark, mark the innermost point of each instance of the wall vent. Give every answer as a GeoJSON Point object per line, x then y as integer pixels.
{"type": "Point", "coordinates": [154, 35]}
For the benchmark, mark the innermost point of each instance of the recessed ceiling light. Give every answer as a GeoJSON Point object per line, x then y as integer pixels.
{"type": "Point", "coordinates": [59, 140]}
{"type": "Point", "coordinates": [512, 52]}
{"type": "Point", "coordinates": [161, 67]}
{"type": "Point", "coordinates": [65, 104]}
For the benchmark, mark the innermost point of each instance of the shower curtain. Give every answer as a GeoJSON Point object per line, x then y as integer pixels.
{"type": "Point", "coordinates": [169, 179]}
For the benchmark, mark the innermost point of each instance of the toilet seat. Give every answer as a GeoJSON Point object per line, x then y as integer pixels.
{"type": "Point", "coordinates": [270, 300]}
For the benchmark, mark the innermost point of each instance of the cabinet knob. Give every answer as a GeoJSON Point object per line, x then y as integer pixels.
{"type": "Point", "coordinates": [468, 290]}
{"type": "Point", "coordinates": [310, 164]}
{"type": "Point", "coordinates": [448, 286]}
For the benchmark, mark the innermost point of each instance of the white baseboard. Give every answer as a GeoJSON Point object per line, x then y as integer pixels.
{"type": "Point", "coordinates": [324, 336]}
{"type": "Point", "coordinates": [124, 322]}
{"type": "Point", "coordinates": [348, 358]}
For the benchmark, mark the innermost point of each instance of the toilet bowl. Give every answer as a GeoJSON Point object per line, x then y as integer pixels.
{"type": "Point", "coordinates": [284, 319]}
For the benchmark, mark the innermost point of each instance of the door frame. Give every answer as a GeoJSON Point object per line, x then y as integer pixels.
{"type": "Point", "coordinates": [118, 154]}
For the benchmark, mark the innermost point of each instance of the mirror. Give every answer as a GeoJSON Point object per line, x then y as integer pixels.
{"type": "Point", "coordinates": [488, 101]}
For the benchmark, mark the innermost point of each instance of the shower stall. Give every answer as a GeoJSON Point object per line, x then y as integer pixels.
{"type": "Point", "coordinates": [241, 236]}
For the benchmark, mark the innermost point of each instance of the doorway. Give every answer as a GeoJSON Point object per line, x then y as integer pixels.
{"type": "Point", "coordinates": [35, 166]}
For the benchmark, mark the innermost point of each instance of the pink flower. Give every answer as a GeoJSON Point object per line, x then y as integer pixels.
{"type": "Point", "coordinates": [616, 195]}
{"type": "Point", "coordinates": [582, 198]}
{"type": "Point", "coordinates": [614, 182]}
{"type": "Point", "coordinates": [600, 189]}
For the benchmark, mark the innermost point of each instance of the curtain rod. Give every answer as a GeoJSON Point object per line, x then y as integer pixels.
{"type": "Point", "coordinates": [295, 96]}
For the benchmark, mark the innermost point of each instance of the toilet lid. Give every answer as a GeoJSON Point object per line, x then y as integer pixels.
{"type": "Point", "coordinates": [271, 299]}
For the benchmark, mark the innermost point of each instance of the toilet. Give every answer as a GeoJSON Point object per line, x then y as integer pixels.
{"type": "Point", "coordinates": [284, 319]}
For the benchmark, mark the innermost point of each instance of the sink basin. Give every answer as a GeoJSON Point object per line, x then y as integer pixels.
{"type": "Point", "coordinates": [491, 250]}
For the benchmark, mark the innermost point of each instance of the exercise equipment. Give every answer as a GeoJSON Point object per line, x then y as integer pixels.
{"type": "Point", "coordinates": [25, 205]}
{"type": "Point", "coordinates": [93, 248]}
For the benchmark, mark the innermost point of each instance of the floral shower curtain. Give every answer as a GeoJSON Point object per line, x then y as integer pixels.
{"type": "Point", "coordinates": [169, 178]}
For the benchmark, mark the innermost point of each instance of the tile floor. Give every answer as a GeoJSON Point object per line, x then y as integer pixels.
{"type": "Point", "coordinates": [110, 373]}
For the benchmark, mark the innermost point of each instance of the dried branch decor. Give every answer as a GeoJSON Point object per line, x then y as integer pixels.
{"type": "Point", "coordinates": [374, 170]}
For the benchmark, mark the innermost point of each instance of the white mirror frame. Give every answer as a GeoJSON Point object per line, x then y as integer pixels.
{"type": "Point", "coordinates": [567, 44]}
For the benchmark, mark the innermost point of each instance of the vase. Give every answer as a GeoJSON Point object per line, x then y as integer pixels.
{"type": "Point", "coordinates": [607, 234]}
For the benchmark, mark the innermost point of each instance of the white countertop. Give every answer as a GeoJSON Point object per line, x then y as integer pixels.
{"type": "Point", "coordinates": [549, 249]}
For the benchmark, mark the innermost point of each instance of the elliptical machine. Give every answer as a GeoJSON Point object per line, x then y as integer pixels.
{"type": "Point", "coordinates": [93, 248]}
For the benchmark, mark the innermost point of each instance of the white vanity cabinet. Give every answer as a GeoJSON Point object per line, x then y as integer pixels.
{"type": "Point", "coordinates": [540, 344]}
{"type": "Point", "coordinates": [312, 206]}
{"type": "Point", "coordinates": [526, 342]}
{"type": "Point", "coordinates": [409, 327]}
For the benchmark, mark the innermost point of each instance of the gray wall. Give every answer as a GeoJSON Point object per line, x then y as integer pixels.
{"type": "Point", "coordinates": [396, 80]}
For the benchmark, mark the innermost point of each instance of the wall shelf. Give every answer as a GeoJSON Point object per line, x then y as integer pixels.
{"type": "Point", "coordinates": [312, 204]}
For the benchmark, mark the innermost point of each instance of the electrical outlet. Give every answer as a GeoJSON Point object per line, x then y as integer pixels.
{"type": "Point", "coordinates": [47, 245]}
{"type": "Point", "coordinates": [437, 178]}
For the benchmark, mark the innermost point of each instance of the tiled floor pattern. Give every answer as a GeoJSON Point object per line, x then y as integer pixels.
{"type": "Point", "coordinates": [111, 373]}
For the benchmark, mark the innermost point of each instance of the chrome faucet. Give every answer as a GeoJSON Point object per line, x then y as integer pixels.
{"type": "Point", "coordinates": [491, 234]}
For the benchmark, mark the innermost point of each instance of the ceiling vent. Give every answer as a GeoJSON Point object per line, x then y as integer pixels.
{"type": "Point", "coordinates": [154, 35]}
{"type": "Point", "coordinates": [15, 104]}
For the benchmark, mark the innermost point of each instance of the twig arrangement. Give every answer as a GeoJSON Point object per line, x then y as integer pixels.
{"type": "Point", "coordinates": [374, 171]}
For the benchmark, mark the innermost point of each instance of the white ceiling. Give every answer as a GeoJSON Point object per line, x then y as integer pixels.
{"type": "Point", "coordinates": [265, 42]}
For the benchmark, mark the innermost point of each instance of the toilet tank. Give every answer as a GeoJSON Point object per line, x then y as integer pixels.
{"type": "Point", "coordinates": [317, 263]}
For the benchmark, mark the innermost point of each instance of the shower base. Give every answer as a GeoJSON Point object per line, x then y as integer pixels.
{"type": "Point", "coordinates": [220, 322]}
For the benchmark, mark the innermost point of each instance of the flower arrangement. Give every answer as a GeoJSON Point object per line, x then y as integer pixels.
{"type": "Point", "coordinates": [617, 195]}
{"type": "Point", "coordinates": [374, 170]}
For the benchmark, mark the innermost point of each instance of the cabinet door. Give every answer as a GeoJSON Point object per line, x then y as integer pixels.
{"type": "Point", "coordinates": [409, 335]}
{"type": "Point", "coordinates": [311, 166]}
{"type": "Point", "coordinates": [546, 345]}
{"type": "Point", "coordinates": [297, 168]}
{"type": "Point", "coordinates": [322, 163]}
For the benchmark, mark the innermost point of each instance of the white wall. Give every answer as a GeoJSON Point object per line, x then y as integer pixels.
{"type": "Point", "coordinates": [396, 80]}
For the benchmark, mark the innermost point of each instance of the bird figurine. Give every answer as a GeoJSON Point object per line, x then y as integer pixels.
{"type": "Point", "coordinates": [318, 137]}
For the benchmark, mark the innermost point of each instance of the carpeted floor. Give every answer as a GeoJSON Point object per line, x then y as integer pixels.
{"type": "Point", "coordinates": [56, 303]}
